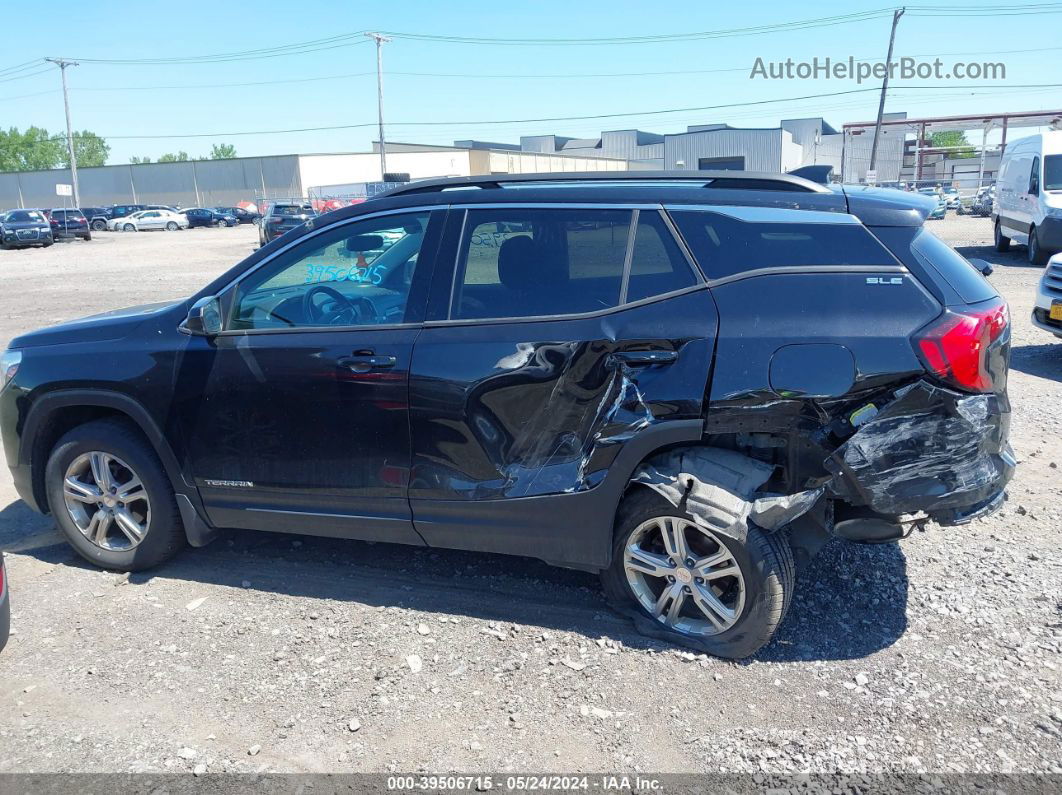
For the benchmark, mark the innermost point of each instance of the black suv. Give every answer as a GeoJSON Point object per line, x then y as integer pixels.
{"type": "Point", "coordinates": [688, 383]}
{"type": "Point", "coordinates": [281, 216]}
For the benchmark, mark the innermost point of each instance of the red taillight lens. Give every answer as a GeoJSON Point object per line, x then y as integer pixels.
{"type": "Point", "coordinates": [955, 347]}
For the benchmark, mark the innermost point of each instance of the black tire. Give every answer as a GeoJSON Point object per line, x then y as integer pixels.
{"type": "Point", "coordinates": [165, 535]}
{"type": "Point", "coordinates": [171, 226]}
{"type": "Point", "coordinates": [48, 243]}
{"type": "Point", "coordinates": [1037, 256]}
{"type": "Point", "coordinates": [99, 225]}
{"type": "Point", "coordinates": [766, 563]}
{"type": "Point", "coordinates": [1002, 241]}
{"type": "Point", "coordinates": [87, 236]}
{"type": "Point", "coordinates": [128, 228]}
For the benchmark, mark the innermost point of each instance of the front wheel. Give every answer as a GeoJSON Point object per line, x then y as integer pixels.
{"type": "Point", "coordinates": [1037, 256]}
{"type": "Point", "coordinates": [1002, 241]}
{"type": "Point", "coordinates": [695, 586]}
{"type": "Point", "coordinates": [128, 228]}
{"type": "Point", "coordinates": [111, 497]}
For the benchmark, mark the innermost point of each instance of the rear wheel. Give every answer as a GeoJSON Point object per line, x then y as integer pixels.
{"type": "Point", "coordinates": [695, 586]}
{"type": "Point", "coordinates": [1002, 241]}
{"type": "Point", "coordinates": [111, 497]}
{"type": "Point", "coordinates": [1037, 256]}
{"type": "Point", "coordinates": [99, 225]}
{"type": "Point", "coordinates": [171, 226]}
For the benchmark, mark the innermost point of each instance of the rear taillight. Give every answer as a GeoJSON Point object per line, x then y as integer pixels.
{"type": "Point", "coordinates": [957, 346]}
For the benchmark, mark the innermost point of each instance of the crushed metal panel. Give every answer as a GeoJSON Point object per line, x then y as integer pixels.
{"type": "Point", "coordinates": [715, 486]}
{"type": "Point", "coordinates": [930, 449]}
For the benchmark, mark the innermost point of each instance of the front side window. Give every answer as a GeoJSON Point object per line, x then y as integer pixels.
{"type": "Point", "coordinates": [1034, 176]}
{"type": "Point", "coordinates": [525, 262]}
{"type": "Point", "coordinates": [1053, 172]}
{"type": "Point", "coordinates": [356, 274]}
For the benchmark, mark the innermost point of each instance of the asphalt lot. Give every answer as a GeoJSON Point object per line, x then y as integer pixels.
{"type": "Point", "coordinates": [284, 653]}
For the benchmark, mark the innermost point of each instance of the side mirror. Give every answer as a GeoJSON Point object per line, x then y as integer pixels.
{"type": "Point", "coordinates": [204, 318]}
{"type": "Point", "coordinates": [985, 268]}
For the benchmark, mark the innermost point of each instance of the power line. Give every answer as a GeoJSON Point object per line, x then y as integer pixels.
{"type": "Point", "coordinates": [334, 42]}
{"type": "Point", "coordinates": [589, 117]}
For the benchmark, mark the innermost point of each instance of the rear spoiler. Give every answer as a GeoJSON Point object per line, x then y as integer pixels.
{"type": "Point", "coordinates": [820, 174]}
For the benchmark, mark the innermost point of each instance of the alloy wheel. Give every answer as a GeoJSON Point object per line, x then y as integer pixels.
{"type": "Point", "coordinates": [107, 501]}
{"type": "Point", "coordinates": [684, 576]}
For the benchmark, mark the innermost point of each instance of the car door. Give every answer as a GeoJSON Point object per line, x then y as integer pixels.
{"type": "Point", "coordinates": [152, 219]}
{"type": "Point", "coordinates": [296, 415]}
{"type": "Point", "coordinates": [561, 337]}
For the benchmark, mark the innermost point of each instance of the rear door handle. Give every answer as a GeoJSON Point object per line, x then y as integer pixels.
{"type": "Point", "coordinates": [644, 358]}
{"type": "Point", "coordinates": [363, 363]}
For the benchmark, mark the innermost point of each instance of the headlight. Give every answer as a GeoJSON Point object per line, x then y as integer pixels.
{"type": "Point", "coordinates": [9, 362]}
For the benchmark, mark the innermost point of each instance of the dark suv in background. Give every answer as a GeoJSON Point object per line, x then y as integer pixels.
{"type": "Point", "coordinates": [67, 223]}
{"type": "Point", "coordinates": [282, 216]}
{"type": "Point", "coordinates": [685, 382]}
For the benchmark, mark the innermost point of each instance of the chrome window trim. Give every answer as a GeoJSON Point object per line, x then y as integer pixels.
{"type": "Point", "coordinates": [769, 215]}
{"type": "Point", "coordinates": [553, 318]}
{"type": "Point", "coordinates": [789, 270]}
{"type": "Point", "coordinates": [628, 254]}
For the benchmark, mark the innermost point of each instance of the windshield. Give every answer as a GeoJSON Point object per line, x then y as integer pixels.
{"type": "Point", "coordinates": [1053, 172]}
{"type": "Point", "coordinates": [23, 216]}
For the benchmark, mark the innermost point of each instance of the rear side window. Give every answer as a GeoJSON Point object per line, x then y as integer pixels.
{"type": "Point", "coordinates": [524, 262]}
{"type": "Point", "coordinates": [657, 264]}
{"type": "Point", "coordinates": [934, 253]}
{"type": "Point", "coordinates": [725, 246]}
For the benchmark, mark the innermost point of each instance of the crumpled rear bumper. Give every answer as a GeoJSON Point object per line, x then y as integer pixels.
{"type": "Point", "coordinates": [930, 449]}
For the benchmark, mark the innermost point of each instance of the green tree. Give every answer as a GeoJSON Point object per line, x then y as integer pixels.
{"type": "Point", "coordinates": [174, 157]}
{"type": "Point", "coordinates": [136, 159]}
{"type": "Point", "coordinates": [222, 152]}
{"type": "Point", "coordinates": [91, 150]}
{"type": "Point", "coordinates": [31, 150]}
{"type": "Point", "coordinates": [954, 141]}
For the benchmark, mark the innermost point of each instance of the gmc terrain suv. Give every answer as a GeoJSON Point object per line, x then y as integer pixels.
{"type": "Point", "coordinates": [686, 382]}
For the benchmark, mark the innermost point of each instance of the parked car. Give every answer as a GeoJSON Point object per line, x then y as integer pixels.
{"type": "Point", "coordinates": [146, 220]}
{"type": "Point", "coordinates": [951, 198]}
{"type": "Point", "coordinates": [242, 215]}
{"type": "Point", "coordinates": [941, 209]}
{"type": "Point", "coordinates": [201, 216]}
{"type": "Point", "coordinates": [1047, 311]}
{"type": "Point", "coordinates": [67, 223]}
{"type": "Point", "coordinates": [682, 382]}
{"type": "Point", "coordinates": [20, 228]}
{"type": "Point", "coordinates": [165, 207]}
{"type": "Point", "coordinates": [122, 210]}
{"type": "Point", "coordinates": [97, 217]}
{"type": "Point", "coordinates": [984, 202]}
{"type": "Point", "coordinates": [1029, 196]}
{"type": "Point", "coordinates": [282, 216]}
{"type": "Point", "coordinates": [5, 605]}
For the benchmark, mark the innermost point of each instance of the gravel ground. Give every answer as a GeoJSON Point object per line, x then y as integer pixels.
{"type": "Point", "coordinates": [283, 653]}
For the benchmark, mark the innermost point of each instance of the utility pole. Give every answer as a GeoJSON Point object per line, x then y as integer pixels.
{"type": "Point", "coordinates": [884, 86]}
{"type": "Point", "coordinates": [62, 63]}
{"type": "Point", "coordinates": [380, 41]}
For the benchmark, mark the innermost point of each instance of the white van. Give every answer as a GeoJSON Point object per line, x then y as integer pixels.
{"type": "Point", "coordinates": [1028, 205]}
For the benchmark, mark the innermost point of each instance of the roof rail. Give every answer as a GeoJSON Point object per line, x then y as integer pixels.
{"type": "Point", "coordinates": [734, 180]}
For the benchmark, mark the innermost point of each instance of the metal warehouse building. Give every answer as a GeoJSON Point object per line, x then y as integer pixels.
{"type": "Point", "coordinates": [225, 182]}
{"type": "Point", "coordinates": [701, 147]}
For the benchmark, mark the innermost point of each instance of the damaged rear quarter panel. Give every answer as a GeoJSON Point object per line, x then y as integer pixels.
{"type": "Point", "coordinates": [540, 410]}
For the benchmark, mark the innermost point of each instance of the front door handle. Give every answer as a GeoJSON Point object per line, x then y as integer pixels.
{"type": "Point", "coordinates": [644, 358]}
{"type": "Point", "coordinates": [363, 363]}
